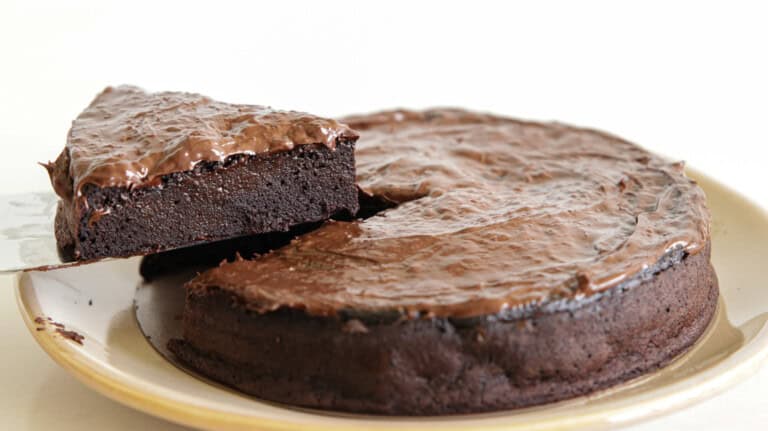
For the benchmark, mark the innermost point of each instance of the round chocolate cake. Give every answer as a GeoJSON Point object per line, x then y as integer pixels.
{"type": "Point", "coordinates": [506, 264]}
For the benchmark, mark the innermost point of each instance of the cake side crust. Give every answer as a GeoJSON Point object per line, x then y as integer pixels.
{"type": "Point", "coordinates": [445, 366]}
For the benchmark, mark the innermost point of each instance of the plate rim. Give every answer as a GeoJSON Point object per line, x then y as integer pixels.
{"type": "Point", "coordinates": [710, 382]}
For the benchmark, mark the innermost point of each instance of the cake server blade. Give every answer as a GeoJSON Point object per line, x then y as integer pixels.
{"type": "Point", "coordinates": [27, 240]}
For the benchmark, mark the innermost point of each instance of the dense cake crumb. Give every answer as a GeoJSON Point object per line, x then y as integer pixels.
{"type": "Point", "coordinates": [59, 328]}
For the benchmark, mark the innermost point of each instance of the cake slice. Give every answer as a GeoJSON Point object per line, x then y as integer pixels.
{"type": "Point", "coordinates": [144, 172]}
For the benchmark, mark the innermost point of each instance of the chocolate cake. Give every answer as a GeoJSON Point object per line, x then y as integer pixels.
{"type": "Point", "coordinates": [517, 263]}
{"type": "Point", "coordinates": [143, 172]}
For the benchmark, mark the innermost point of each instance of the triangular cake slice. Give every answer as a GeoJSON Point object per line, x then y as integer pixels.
{"type": "Point", "coordinates": [144, 172]}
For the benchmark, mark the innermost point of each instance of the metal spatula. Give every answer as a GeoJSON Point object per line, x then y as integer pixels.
{"type": "Point", "coordinates": [27, 239]}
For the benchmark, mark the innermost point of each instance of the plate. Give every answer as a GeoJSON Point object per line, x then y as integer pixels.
{"type": "Point", "coordinates": [97, 302]}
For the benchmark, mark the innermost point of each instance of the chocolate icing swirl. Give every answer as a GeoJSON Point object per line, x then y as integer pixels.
{"type": "Point", "coordinates": [130, 138]}
{"type": "Point", "coordinates": [493, 213]}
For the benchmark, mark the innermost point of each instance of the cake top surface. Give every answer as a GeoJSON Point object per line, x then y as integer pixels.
{"type": "Point", "coordinates": [492, 214]}
{"type": "Point", "coordinates": [127, 137]}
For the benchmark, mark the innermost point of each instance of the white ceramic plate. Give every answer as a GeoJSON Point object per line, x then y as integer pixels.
{"type": "Point", "coordinates": [115, 359]}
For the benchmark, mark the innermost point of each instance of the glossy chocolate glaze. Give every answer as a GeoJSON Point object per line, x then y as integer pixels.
{"type": "Point", "coordinates": [493, 214]}
{"type": "Point", "coordinates": [130, 138]}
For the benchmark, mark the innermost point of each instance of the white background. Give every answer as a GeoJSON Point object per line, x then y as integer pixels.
{"type": "Point", "coordinates": [689, 80]}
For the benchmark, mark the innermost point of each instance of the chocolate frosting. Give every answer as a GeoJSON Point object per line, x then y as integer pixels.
{"type": "Point", "coordinates": [493, 214]}
{"type": "Point", "coordinates": [130, 138]}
